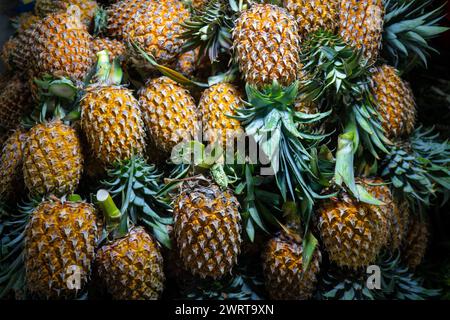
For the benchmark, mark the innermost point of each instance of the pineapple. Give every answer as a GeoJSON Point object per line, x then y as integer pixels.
{"type": "Point", "coordinates": [216, 104]}
{"type": "Point", "coordinates": [399, 223]}
{"type": "Point", "coordinates": [60, 240]}
{"type": "Point", "coordinates": [415, 243]}
{"type": "Point", "coordinates": [284, 271]}
{"type": "Point", "coordinates": [266, 45]}
{"type": "Point", "coordinates": [7, 51]}
{"type": "Point", "coordinates": [25, 21]}
{"type": "Point", "coordinates": [116, 49]}
{"type": "Point", "coordinates": [15, 102]}
{"type": "Point", "coordinates": [111, 118]}
{"type": "Point", "coordinates": [88, 8]}
{"type": "Point", "coordinates": [395, 102]}
{"type": "Point", "coordinates": [361, 26]}
{"type": "Point", "coordinates": [132, 267]}
{"type": "Point", "coordinates": [199, 4]}
{"type": "Point", "coordinates": [169, 111]}
{"type": "Point", "coordinates": [11, 163]}
{"type": "Point", "coordinates": [207, 227]}
{"type": "Point", "coordinates": [187, 62]}
{"type": "Point", "coordinates": [313, 15]}
{"type": "Point", "coordinates": [354, 232]}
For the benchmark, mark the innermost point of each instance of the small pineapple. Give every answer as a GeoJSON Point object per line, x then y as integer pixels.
{"type": "Point", "coordinates": [169, 111]}
{"type": "Point", "coordinates": [361, 26]}
{"type": "Point", "coordinates": [15, 102]}
{"type": "Point", "coordinates": [52, 160]}
{"type": "Point", "coordinates": [354, 232]}
{"type": "Point", "coordinates": [132, 267]}
{"type": "Point", "coordinates": [416, 242]}
{"type": "Point", "coordinates": [313, 15]}
{"type": "Point", "coordinates": [284, 271]}
{"type": "Point", "coordinates": [266, 45]}
{"type": "Point", "coordinates": [207, 228]}
{"type": "Point", "coordinates": [88, 8]}
{"type": "Point", "coordinates": [11, 163]}
{"type": "Point", "coordinates": [60, 241]}
{"type": "Point", "coordinates": [395, 102]}
{"type": "Point", "coordinates": [216, 105]}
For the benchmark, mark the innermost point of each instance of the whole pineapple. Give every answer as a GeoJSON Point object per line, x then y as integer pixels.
{"type": "Point", "coordinates": [132, 267]}
{"type": "Point", "coordinates": [11, 163]}
{"type": "Point", "coordinates": [15, 102]}
{"type": "Point", "coordinates": [88, 8]}
{"type": "Point", "coordinates": [111, 118]}
{"type": "Point", "coordinates": [169, 111]}
{"type": "Point", "coordinates": [361, 25]}
{"type": "Point", "coordinates": [284, 271]}
{"type": "Point", "coordinates": [353, 232]}
{"type": "Point", "coordinates": [52, 159]}
{"type": "Point", "coordinates": [216, 104]}
{"type": "Point", "coordinates": [207, 228]}
{"type": "Point", "coordinates": [60, 242]}
{"type": "Point", "coordinates": [416, 242]}
{"type": "Point", "coordinates": [266, 45]}
{"type": "Point", "coordinates": [313, 15]}
{"type": "Point", "coordinates": [395, 102]}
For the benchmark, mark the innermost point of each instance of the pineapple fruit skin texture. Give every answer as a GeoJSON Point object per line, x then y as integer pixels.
{"type": "Point", "coordinates": [361, 25]}
{"type": "Point", "coordinates": [53, 160]}
{"type": "Point", "coordinates": [353, 233]}
{"type": "Point", "coordinates": [132, 267]}
{"type": "Point", "coordinates": [395, 102]}
{"type": "Point", "coordinates": [88, 8]}
{"type": "Point", "coordinates": [170, 113]}
{"type": "Point", "coordinates": [399, 223]}
{"type": "Point", "coordinates": [15, 102]}
{"type": "Point", "coordinates": [59, 236]}
{"type": "Point", "coordinates": [112, 122]}
{"type": "Point", "coordinates": [207, 227]}
{"type": "Point", "coordinates": [116, 49]}
{"type": "Point", "coordinates": [283, 269]}
{"type": "Point", "coordinates": [11, 163]}
{"type": "Point", "coordinates": [187, 62]}
{"type": "Point", "coordinates": [416, 242]}
{"type": "Point", "coordinates": [215, 104]}
{"type": "Point", "coordinates": [266, 44]}
{"type": "Point", "coordinates": [313, 15]}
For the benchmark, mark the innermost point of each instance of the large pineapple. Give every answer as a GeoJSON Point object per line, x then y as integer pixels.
{"type": "Point", "coordinates": [88, 8]}
{"type": "Point", "coordinates": [416, 242]}
{"type": "Point", "coordinates": [284, 271]}
{"type": "Point", "coordinates": [52, 160]}
{"type": "Point", "coordinates": [169, 111]}
{"type": "Point", "coordinates": [11, 163]}
{"type": "Point", "coordinates": [207, 228]}
{"type": "Point", "coordinates": [354, 232]}
{"type": "Point", "coordinates": [15, 102]}
{"type": "Point", "coordinates": [60, 240]}
{"type": "Point", "coordinates": [313, 15]}
{"type": "Point", "coordinates": [266, 44]}
{"type": "Point", "coordinates": [395, 102]}
{"type": "Point", "coordinates": [111, 118]}
{"type": "Point", "coordinates": [132, 267]}
{"type": "Point", "coordinates": [361, 25]}
{"type": "Point", "coordinates": [216, 105]}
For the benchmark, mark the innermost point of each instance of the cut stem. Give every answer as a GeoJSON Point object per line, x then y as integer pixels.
{"type": "Point", "coordinates": [109, 208]}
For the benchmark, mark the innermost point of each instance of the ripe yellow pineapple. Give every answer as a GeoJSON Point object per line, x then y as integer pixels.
{"type": "Point", "coordinates": [395, 102]}
{"type": "Point", "coordinates": [215, 104]}
{"type": "Point", "coordinates": [60, 242]}
{"type": "Point", "coordinates": [52, 161]}
{"type": "Point", "coordinates": [132, 267]}
{"type": "Point", "coordinates": [313, 15]}
{"type": "Point", "coordinates": [88, 8]}
{"type": "Point", "coordinates": [361, 25]}
{"type": "Point", "coordinates": [207, 228]}
{"type": "Point", "coordinates": [11, 163]}
{"type": "Point", "coordinates": [169, 111]}
{"type": "Point", "coordinates": [354, 232]}
{"type": "Point", "coordinates": [266, 45]}
{"type": "Point", "coordinates": [283, 266]}
{"type": "Point", "coordinates": [15, 102]}
{"type": "Point", "coordinates": [416, 242]}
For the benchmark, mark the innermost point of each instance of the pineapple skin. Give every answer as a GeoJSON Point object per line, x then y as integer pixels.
{"type": "Point", "coordinates": [116, 49]}
{"type": "Point", "coordinates": [187, 62]}
{"type": "Point", "coordinates": [353, 233]}
{"type": "Point", "coordinates": [207, 227]}
{"type": "Point", "coordinates": [15, 102]}
{"type": "Point", "coordinates": [266, 45]}
{"type": "Point", "coordinates": [88, 8]}
{"type": "Point", "coordinates": [416, 242]}
{"type": "Point", "coordinates": [11, 163]}
{"type": "Point", "coordinates": [215, 104]}
{"type": "Point", "coordinates": [361, 25]}
{"type": "Point", "coordinates": [112, 123]}
{"type": "Point", "coordinates": [60, 235]}
{"type": "Point", "coordinates": [313, 15]}
{"type": "Point", "coordinates": [399, 223]}
{"type": "Point", "coordinates": [395, 102]}
{"type": "Point", "coordinates": [132, 267]}
{"type": "Point", "coordinates": [53, 160]}
{"type": "Point", "coordinates": [170, 113]}
{"type": "Point", "coordinates": [283, 269]}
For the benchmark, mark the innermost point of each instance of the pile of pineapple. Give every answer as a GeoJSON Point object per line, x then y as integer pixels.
{"type": "Point", "coordinates": [101, 100]}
